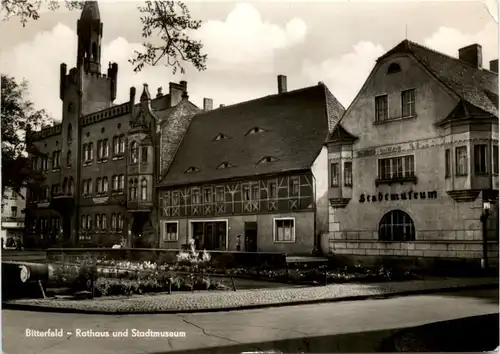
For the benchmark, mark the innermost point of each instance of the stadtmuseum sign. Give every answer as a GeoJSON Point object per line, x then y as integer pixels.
{"type": "Point", "coordinates": [411, 195]}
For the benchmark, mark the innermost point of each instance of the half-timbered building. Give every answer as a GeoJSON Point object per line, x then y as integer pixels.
{"type": "Point", "coordinates": [252, 176]}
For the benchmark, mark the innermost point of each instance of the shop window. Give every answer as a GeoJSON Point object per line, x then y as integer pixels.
{"type": "Point", "coordinates": [284, 230]}
{"type": "Point", "coordinates": [396, 226]}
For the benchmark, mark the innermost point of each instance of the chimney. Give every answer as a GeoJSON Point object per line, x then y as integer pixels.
{"type": "Point", "coordinates": [160, 93]}
{"type": "Point", "coordinates": [281, 83]}
{"type": "Point", "coordinates": [208, 104]}
{"type": "Point", "coordinates": [494, 66]}
{"type": "Point", "coordinates": [184, 85]}
{"type": "Point", "coordinates": [472, 54]}
{"type": "Point", "coordinates": [132, 98]}
{"type": "Point", "coordinates": [175, 91]}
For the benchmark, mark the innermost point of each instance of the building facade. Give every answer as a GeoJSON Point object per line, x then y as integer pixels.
{"type": "Point", "coordinates": [413, 159]}
{"type": "Point", "coordinates": [252, 176]}
{"type": "Point", "coordinates": [13, 211]}
{"type": "Point", "coordinates": [102, 162]}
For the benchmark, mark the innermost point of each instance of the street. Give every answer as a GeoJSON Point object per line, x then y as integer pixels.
{"type": "Point", "coordinates": [354, 326]}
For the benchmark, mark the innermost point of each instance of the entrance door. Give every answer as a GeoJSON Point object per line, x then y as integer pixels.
{"type": "Point", "coordinates": [250, 237]}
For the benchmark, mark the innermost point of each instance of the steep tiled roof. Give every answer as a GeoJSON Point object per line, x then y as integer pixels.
{"type": "Point", "coordinates": [339, 134]}
{"type": "Point", "coordinates": [475, 85]}
{"type": "Point", "coordinates": [295, 125]}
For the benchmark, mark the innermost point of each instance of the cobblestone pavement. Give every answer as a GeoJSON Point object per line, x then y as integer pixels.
{"type": "Point", "coordinates": [246, 299]}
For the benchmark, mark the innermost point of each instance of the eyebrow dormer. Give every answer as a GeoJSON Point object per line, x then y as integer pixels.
{"type": "Point", "coordinates": [255, 130]}
{"type": "Point", "coordinates": [267, 159]}
{"type": "Point", "coordinates": [224, 165]}
{"type": "Point", "coordinates": [192, 169]}
{"type": "Point", "coordinates": [221, 137]}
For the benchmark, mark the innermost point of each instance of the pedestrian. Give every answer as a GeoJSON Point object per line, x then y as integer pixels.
{"type": "Point", "coordinates": [238, 243]}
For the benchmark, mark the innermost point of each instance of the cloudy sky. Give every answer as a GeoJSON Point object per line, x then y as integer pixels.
{"type": "Point", "coordinates": [250, 43]}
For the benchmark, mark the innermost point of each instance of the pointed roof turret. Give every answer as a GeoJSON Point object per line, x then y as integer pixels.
{"type": "Point", "coordinates": [145, 94]}
{"type": "Point", "coordinates": [90, 11]}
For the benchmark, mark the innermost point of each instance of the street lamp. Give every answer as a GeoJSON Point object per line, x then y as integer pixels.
{"type": "Point", "coordinates": [484, 219]}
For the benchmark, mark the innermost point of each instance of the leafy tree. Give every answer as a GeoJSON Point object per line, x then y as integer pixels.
{"type": "Point", "coordinates": [166, 28]}
{"type": "Point", "coordinates": [18, 114]}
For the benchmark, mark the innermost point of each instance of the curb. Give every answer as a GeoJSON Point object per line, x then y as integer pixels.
{"type": "Point", "coordinates": [38, 308]}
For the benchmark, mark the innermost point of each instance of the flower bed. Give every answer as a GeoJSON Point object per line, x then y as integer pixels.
{"type": "Point", "coordinates": [192, 271]}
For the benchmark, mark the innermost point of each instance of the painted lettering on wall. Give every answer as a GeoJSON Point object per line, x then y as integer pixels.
{"type": "Point", "coordinates": [411, 195]}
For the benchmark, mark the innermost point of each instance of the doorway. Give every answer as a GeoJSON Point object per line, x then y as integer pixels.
{"type": "Point", "coordinates": [250, 237]}
{"type": "Point", "coordinates": [209, 235]}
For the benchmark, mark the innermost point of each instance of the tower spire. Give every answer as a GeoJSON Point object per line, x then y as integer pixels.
{"type": "Point", "coordinates": [89, 29]}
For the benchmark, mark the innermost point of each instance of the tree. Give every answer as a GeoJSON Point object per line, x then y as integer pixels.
{"type": "Point", "coordinates": [166, 28]}
{"type": "Point", "coordinates": [18, 114]}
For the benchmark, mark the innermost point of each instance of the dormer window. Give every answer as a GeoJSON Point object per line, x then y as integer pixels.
{"type": "Point", "coordinates": [393, 68]}
{"type": "Point", "coordinates": [255, 130]}
{"type": "Point", "coordinates": [220, 137]}
{"type": "Point", "coordinates": [192, 169]}
{"type": "Point", "coordinates": [224, 165]}
{"type": "Point", "coordinates": [268, 159]}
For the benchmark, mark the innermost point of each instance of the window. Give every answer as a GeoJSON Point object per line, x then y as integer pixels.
{"type": "Point", "coordinates": [170, 231]}
{"type": "Point", "coordinates": [175, 198]}
{"type": "Point", "coordinates": [56, 160]}
{"type": "Point", "coordinates": [91, 151]}
{"type": "Point", "coordinates": [13, 195]}
{"type": "Point", "coordinates": [99, 149]}
{"type": "Point", "coordinates": [134, 152]}
{"type": "Point", "coordinates": [98, 221]}
{"type": "Point", "coordinates": [408, 103]}
{"type": "Point", "coordinates": [461, 161]}
{"type": "Point", "coordinates": [207, 195]}
{"type": "Point", "coordinates": [195, 197]}
{"type": "Point", "coordinates": [118, 144]}
{"type": "Point", "coordinates": [219, 195]}
{"type": "Point", "coordinates": [68, 159]}
{"type": "Point", "coordinates": [396, 225]}
{"type": "Point", "coordinates": [133, 189]}
{"type": "Point", "coordinates": [480, 159]}
{"type": "Point", "coordinates": [295, 186]}
{"type": "Point", "coordinates": [120, 221]}
{"type": "Point", "coordinates": [71, 186]}
{"type": "Point", "coordinates": [255, 192]}
{"type": "Point", "coordinates": [246, 192]}
{"type": "Point", "coordinates": [396, 167]}
{"type": "Point", "coordinates": [272, 190]}
{"type": "Point", "coordinates": [13, 210]}
{"type": "Point", "coordinates": [348, 174]}
{"type": "Point", "coordinates": [268, 159]}
{"type": "Point", "coordinates": [192, 169]}
{"type": "Point", "coordinates": [70, 130]}
{"type": "Point", "coordinates": [495, 159]}
{"type": "Point", "coordinates": [105, 185]}
{"type": "Point", "coordinates": [114, 182]}
{"type": "Point", "coordinates": [447, 163]}
{"type": "Point", "coordinates": [393, 68]}
{"type": "Point", "coordinates": [334, 174]}
{"type": "Point", "coordinates": [255, 130]}
{"type": "Point", "coordinates": [224, 165]}
{"type": "Point", "coordinates": [381, 108]}
{"type": "Point", "coordinates": [144, 189]}
{"type": "Point", "coordinates": [121, 182]}
{"type": "Point", "coordinates": [284, 230]}
{"type": "Point", "coordinates": [105, 149]}
{"type": "Point", "coordinates": [144, 154]}
{"type": "Point", "coordinates": [113, 221]}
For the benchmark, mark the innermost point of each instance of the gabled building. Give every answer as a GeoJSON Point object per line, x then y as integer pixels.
{"type": "Point", "coordinates": [252, 175]}
{"type": "Point", "coordinates": [13, 211]}
{"type": "Point", "coordinates": [101, 163]}
{"type": "Point", "coordinates": [414, 158]}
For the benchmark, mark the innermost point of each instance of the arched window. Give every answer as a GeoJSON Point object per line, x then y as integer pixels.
{"type": "Point", "coordinates": [68, 159]}
{"type": "Point", "coordinates": [393, 68]}
{"type": "Point", "coordinates": [113, 221]}
{"type": "Point", "coordinates": [94, 50]}
{"type": "Point", "coordinates": [134, 152]}
{"type": "Point", "coordinates": [65, 186]}
{"type": "Point", "coordinates": [70, 130]}
{"type": "Point", "coordinates": [144, 189]}
{"type": "Point", "coordinates": [396, 225]}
